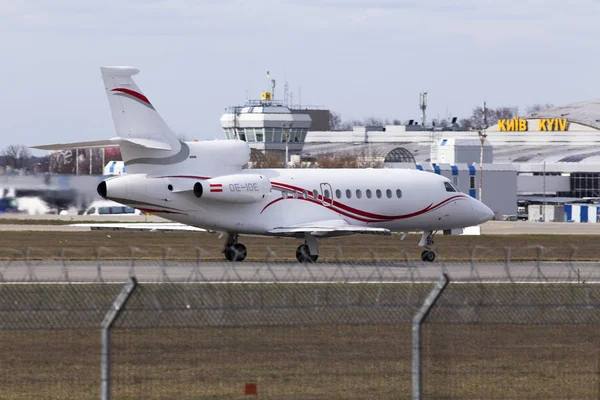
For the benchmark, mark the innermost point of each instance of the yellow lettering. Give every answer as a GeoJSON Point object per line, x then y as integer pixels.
{"type": "Point", "coordinates": [542, 125]}
{"type": "Point", "coordinates": [551, 124]}
{"type": "Point", "coordinates": [502, 125]}
{"type": "Point", "coordinates": [563, 124]}
{"type": "Point", "coordinates": [510, 125]}
{"type": "Point", "coordinates": [522, 125]}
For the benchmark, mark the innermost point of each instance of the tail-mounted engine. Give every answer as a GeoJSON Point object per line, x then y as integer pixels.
{"type": "Point", "coordinates": [239, 188]}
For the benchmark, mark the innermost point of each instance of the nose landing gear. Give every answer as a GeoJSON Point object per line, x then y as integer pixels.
{"type": "Point", "coordinates": [427, 241]}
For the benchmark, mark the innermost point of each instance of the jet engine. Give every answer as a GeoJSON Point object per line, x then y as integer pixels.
{"type": "Point", "coordinates": [238, 188]}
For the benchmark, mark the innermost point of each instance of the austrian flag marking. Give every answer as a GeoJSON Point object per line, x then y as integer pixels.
{"type": "Point", "coordinates": [216, 187]}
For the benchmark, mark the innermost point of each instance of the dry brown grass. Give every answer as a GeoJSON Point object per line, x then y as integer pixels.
{"type": "Point", "coordinates": [319, 362]}
{"type": "Point", "coordinates": [83, 245]}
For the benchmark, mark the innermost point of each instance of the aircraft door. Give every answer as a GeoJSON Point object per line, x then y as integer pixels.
{"type": "Point", "coordinates": [327, 194]}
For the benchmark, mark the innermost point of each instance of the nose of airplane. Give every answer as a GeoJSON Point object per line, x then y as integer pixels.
{"type": "Point", "coordinates": [481, 212]}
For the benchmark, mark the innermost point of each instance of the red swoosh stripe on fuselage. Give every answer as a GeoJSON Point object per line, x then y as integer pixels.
{"type": "Point", "coordinates": [362, 219]}
{"type": "Point", "coordinates": [346, 210]}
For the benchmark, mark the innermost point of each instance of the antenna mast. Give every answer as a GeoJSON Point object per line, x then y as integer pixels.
{"type": "Point", "coordinates": [272, 89]}
{"type": "Point", "coordinates": [484, 110]}
{"type": "Point", "coordinates": [423, 107]}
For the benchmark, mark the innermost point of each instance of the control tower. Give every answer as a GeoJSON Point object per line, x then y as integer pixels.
{"type": "Point", "coordinates": [267, 124]}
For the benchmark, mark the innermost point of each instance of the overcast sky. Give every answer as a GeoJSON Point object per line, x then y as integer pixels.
{"type": "Point", "coordinates": [359, 58]}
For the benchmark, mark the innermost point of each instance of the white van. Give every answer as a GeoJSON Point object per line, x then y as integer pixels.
{"type": "Point", "coordinates": [107, 207]}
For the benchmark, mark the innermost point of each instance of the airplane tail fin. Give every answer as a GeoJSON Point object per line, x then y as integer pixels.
{"type": "Point", "coordinates": [147, 144]}
{"type": "Point", "coordinates": [136, 120]}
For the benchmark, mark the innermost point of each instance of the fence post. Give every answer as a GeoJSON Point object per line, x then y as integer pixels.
{"type": "Point", "coordinates": [417, 367]}
{"type": "Point", "coordinates": [109, 318]}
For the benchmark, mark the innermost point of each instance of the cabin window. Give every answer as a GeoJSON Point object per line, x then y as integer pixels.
{"type": "Point", "coordinates": [348, 193]}
{"type": "Point", "coordinates": [358, 194]}
{"type": "Point", "coordinates": [388, 193]}
{"type": "Point", "coordinates": [326, 194]}
{"type": "Point", "coordinates": [449, 187]}
{"type": "Point", "coordinates": [368, 193]}
{"type": "Point", "coordinates": [399, 193]}
{"type": "Point", "coordinates": [378, 193]}
{"type": "Point", "coordinates": [295, 195]}
{"type": "Point", "coordinates": [338, 193]}
{"type": "Point", "coordinates": [304, 194]}
{"type": "Point", "coordinates": [316, 194]}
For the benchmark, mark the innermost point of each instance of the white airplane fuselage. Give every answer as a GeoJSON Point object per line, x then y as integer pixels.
{"type": "Point", "coordinates": [396, 199]}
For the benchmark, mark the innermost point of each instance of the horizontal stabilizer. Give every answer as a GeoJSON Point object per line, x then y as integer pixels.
{"type": "Point", "coordinates": [78, 145]}
{"type": "Point", "coordinates": [141, 142]}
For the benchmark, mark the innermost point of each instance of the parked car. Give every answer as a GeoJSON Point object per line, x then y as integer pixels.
{"type": "Point", "coordinates": [107, 207]}
{"type": "Point", "coordinates": [9, 205]}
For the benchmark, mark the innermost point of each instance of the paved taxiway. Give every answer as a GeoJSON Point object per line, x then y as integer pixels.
{"type": "Point", "coordinates": [489, 228]}
{"type": "Point", "coordinates": [294, 272]}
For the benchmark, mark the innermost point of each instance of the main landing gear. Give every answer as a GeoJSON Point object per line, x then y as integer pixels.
{"type": "Point", "coordinates": [306, 253]}
{"type": "Point", "coordinates": [309, 251]}
{"type": "Point", "coordinates": [233, 250]}
{"type": "Point", "coordinates": [427, 241]}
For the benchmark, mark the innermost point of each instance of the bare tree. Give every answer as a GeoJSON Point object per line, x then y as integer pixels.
{"type": "Point", "coordinates": [335, 121]}
{"type": "Point", "coordinates": [374, 121]}
{"type": "Point", "coordinates": [16, 156]}
{"type": "Point", "coordinates": [268, 159]}
{"type": "Point", "coordinates": [505, 113]}
{"type": "Point", "coordinates": [347, 125]}
{"type": "Point", "coordinates": [347, 160]}
{"type": "Point", "coordinates": [440, 123]}
{"type": "Point", "coordinates": [537, 107]}
{"type": "Point", "coordinates": [477, 120]}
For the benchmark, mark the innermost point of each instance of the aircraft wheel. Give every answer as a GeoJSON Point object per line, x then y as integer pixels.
{"type": "Point", "coordinates": [428, 256]}
{"type": "Point", "coordinates": [303, 255]}
{"type": "Point", "coordinates": [236, 252]}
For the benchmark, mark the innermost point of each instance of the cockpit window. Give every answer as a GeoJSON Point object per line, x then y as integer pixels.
{"type": "Point", "coordinates": [449, 187]}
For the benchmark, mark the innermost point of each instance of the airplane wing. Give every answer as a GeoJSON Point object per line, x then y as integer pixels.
{"type": "Point", "coordinates": [335, 227]}
{"type": "Point", "coordinates": [140, 226]}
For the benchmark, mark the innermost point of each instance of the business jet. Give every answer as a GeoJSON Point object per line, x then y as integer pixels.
{"type": "Point", "coordinates": [204, 185]}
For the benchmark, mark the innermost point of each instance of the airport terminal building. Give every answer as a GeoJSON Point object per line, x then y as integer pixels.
{"type": "Point", "coordinates": [554, 154]}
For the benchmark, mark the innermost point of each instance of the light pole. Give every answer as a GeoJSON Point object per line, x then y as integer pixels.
{"type": "Point", "coordinates": [287, 141]}
{"type": "Point", "coordinates": [544, 193]}
{"type": "Point", "coordinates": [543, 188]}
{"type": "Point", "coordinates": [482, 136]}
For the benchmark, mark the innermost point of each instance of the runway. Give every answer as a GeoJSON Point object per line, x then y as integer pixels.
{"type": "Point", "coordinates": [281, 272]}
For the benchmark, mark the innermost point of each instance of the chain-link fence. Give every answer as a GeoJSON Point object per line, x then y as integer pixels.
{"type": "Point", "coordinates": [517, 341]}
{"type": "Point", "coordinates": [522, 264]}
{"type": "Point", "coordinates": [205, 329]}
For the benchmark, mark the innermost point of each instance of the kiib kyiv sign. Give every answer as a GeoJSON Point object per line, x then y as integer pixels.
{"type": "Point", "coordinates": [521, 125]}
